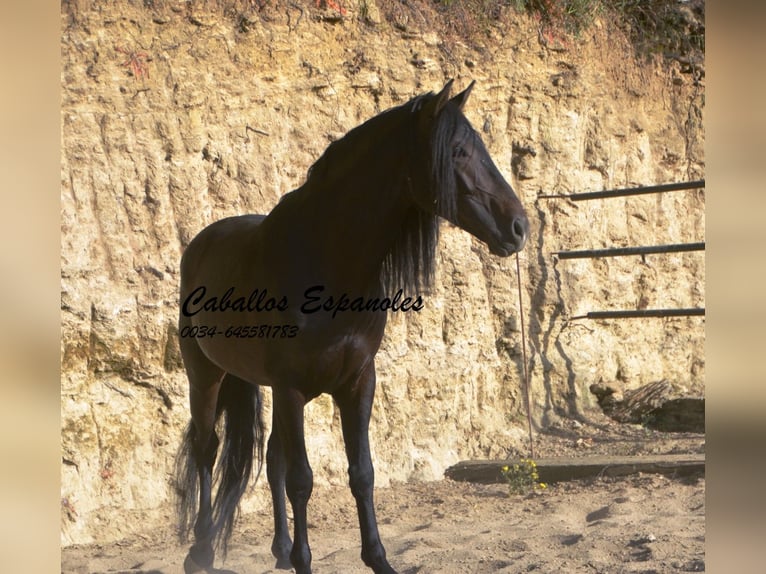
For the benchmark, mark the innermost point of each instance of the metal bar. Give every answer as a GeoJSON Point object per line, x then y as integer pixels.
{"type": "Point", "coordinates": [641, 313]}
{"type": "Point", "coordinates": [620, 251]}
{"type": "Point", "coordinates": [627, 191]}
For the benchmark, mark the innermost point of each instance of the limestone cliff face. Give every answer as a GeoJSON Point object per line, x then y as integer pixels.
{"type": "Point", "coordinates": [175, 117]}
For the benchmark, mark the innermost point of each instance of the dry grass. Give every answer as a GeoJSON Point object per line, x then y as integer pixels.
{"type": "Point", "coordinates": [666, 27]}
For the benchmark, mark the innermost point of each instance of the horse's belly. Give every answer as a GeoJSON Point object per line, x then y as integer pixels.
{"type": "Point", "coordinates": [244, 359]}
{"type": "Point", "coordinates": [283, 362]}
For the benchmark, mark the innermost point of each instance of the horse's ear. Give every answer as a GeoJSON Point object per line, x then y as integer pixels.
{"type": "Point", "coordinates": [441, 99]}
{"type": "Point", "coordinates": [460, 99]}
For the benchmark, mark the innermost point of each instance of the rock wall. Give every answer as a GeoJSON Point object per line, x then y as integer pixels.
{"type": "Point", "coordinates": [177, 114]}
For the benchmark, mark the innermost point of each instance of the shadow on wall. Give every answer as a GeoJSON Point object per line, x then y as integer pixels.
{"type": "Point", "coordinates": [544, 338]}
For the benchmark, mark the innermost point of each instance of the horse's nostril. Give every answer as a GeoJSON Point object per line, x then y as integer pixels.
{"type": "Point", "coordinates": [519, 227]}
{"type": "Point", "coordinates": [520, 231]}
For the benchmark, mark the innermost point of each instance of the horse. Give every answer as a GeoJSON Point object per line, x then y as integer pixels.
{"type": "Point", "coordinates": [297, 300]}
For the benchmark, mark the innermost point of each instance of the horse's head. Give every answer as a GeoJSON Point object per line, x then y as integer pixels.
{"type": "Point", "coordinates": [466, 186]}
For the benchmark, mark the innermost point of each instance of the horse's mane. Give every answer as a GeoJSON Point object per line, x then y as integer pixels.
{"type": "Point", "coordinates": [410, 263]}
{"type": "Point", "coordinates": [343, 152]}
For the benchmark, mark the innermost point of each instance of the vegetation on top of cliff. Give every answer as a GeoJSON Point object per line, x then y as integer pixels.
{"type": "Point", "coordinates": [674, 29]}
{"type": "Point", "coordinates": [671, 28]}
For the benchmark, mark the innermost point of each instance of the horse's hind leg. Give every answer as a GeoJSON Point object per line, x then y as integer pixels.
{"type": "Point", "coordinates": [275, 471]}
{"type": "Point", "coordinates": [355, 404]}
{"type": "Point", "coordinates": [204, 384]}
{"type": "Point", "coordinates": [299, 481]}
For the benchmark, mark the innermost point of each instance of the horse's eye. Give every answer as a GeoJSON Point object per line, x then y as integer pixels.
{"type": "Point", "coordinates": [459, 152]}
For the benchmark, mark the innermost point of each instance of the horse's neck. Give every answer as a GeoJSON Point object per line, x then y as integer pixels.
{"type": "Point", "coordinates": [370, 229]}
{"type": "Point", "coordinates": [355, 223]}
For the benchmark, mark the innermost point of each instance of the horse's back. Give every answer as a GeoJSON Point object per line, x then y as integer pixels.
{"type": "Point", "coordinates": [225, 240]}
{"type": "Point", "coordinates": [224, 228]}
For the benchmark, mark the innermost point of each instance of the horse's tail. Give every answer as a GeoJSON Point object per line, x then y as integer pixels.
{"type": "Point", "coordinates": [243, 441]}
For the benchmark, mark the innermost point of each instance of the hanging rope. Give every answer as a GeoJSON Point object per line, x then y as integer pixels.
{"type": "Point", "coordinates": [524, 359]}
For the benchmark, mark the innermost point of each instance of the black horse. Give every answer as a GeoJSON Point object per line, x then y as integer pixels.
{"type": "Point", "coordinates": [297, 300]}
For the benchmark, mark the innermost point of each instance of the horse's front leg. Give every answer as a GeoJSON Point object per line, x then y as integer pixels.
{"type": "Point", "coordinates": [355, 404]}
{"type": "Point", "coordinates": [299, 480]}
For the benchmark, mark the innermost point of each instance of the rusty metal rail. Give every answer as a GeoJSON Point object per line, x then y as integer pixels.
{"type": "Point", "coordinates": [642, 313]}
{"type": "Point", "coordinates": [627, 191]}
{"type": "Point", "coordinates": [620, 251]}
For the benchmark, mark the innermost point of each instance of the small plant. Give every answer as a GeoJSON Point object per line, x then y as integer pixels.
{"type": "Point", "coordinates": [136, 62]}
{"type": "Point", "coordinates": [68, 508]}
{"type": "Point", "coordinates": [332, 4]}
{"type": "Point", "coordinates": [571, 16]}
{"type": "Point", "coordinates": [522, 477]}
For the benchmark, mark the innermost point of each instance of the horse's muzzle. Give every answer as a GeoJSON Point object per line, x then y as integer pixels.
{"type": "Point", "coordinates": [514, 239]}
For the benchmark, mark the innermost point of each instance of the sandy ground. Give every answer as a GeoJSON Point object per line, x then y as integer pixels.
{"type": "Point", "coordinates": [647, 524]}
{"type": "Point", "coordinates": [643, 523]}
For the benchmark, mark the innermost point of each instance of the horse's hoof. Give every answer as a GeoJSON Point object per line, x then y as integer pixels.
{"type": "Point", "coordinates": [191, 567]}
{"type": "Point", "coordinates": [382, 567]}
{"type": "Point", "coordinates": [280, 549]}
